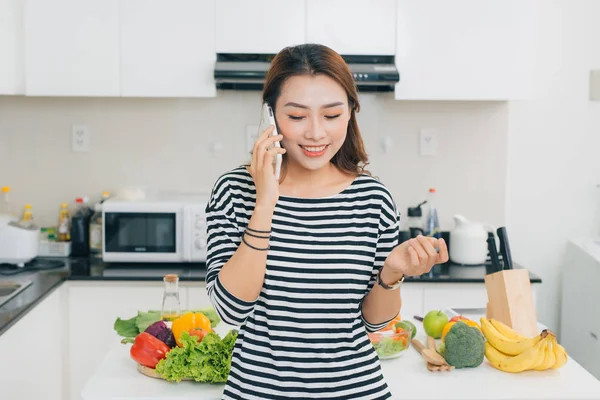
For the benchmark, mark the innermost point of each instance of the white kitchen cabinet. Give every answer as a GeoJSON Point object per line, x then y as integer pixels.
{"type": "Point", "coordinates": [580, 316]}
{"type": "Point", "coordinates": [12, 48]}
{"type": "Point", "coordinates": [93, 308]}
{"type": "Point", "coordinates": [33, 353]}
{"type": "Point", "coordinates": [167, 48]}
{"type": "Point", "coordinates": [464, 49]}
{"type": "Point", "coordinates": [259, 26]}
{"type": "Point", "coordinates": [353, 26]}
{"type": "Point", "coordinates": [72, 48]}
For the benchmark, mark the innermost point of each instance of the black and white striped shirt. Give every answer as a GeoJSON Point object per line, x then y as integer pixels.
{"type": "Point", "coordinates": [304, 337]}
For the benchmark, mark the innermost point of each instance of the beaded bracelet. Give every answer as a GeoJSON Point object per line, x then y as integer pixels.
{"type": "Point", "coordinates": [255, 248]}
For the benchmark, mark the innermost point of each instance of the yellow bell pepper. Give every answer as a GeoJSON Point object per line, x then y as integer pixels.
{"type": "Point", "coordinates": [189, 321]}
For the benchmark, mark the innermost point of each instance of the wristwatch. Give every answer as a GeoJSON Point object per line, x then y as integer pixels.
{"type": "Point", "coordinates": [384, 285]}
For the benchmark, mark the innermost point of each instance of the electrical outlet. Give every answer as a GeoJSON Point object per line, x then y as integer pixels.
{"type": "Point", "coordinates": [595, 85]}
{"type": "Point", "coordinates": [428, 142]}
{"type": "Point", "coordinates": [80, 138]}
{"type": "Point", "coordinates": [251, 136]}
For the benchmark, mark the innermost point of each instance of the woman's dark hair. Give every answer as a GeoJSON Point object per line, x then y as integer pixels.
{"type": "Point", "coordinates": [316, 59]}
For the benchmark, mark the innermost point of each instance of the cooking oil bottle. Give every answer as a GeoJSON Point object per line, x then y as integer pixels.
{"type": "Point", "coordinates": [171, 309]}
{"type": "Point", "coordinates": [27, 218]}
{"type": "Point", "coordinates": [64, 223]}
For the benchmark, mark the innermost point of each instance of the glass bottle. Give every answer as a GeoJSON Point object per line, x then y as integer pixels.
{"type": "Point", "coordinates": [171, 309]}
{"type": "Point", "coordinates": [432, 227]}
{"type": "Point", "coordinates": [64, 224]}
{"type": "Point", "coordinates": [5, 203]}
{"type": "Point", "coordinates": [105, 196]}
{"type": "Point", "coordinates": [27, 219]}
{"type": "Point", "coordinates": [96, 232]}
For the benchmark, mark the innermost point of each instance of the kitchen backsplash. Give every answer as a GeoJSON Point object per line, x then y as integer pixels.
{"type": "Point", "coordinates": [168, 144]}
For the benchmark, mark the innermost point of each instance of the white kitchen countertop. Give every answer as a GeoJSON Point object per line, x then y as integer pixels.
{"type": "Point", "coordinates": [407, 376]}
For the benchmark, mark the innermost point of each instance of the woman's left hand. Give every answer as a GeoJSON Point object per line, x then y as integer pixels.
{"type": "Point", "coordinates": [415, 257]}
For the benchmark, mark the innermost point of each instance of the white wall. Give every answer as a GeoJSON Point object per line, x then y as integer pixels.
{"type": "Point", "coordinates": [165, 143]}
{"type": "Point", "coordinates": [554, 148]}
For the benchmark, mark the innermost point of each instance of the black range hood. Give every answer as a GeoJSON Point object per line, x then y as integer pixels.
{"type": "Point", "coordinates": [234, 71]}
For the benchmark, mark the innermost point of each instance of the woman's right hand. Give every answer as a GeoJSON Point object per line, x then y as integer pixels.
{"type": "Point", "coordinates": [262, 168]}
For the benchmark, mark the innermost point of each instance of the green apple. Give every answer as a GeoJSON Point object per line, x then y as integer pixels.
{"type": "Point", "coordinates": [434, 323]}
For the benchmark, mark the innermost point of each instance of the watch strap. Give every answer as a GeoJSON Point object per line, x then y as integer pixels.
{"type": "Point", "coordinates": [393, 286]}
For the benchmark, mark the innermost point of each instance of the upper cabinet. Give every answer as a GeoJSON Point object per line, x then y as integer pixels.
{"type": "Point", "coordinates": [259, 26]}
{"type": "Point", "coordinates": [353, 27]}
{"type": "Point", "coordinates": [72, 47]}
{"type": "Point", "coordinates": [464, 49]}
{"type": "Point", "coordinates": [445, 50]}
{"type": "Point", "coordinates": [167, 48]}
{"type": "Point", "coordinates": [12, 44]}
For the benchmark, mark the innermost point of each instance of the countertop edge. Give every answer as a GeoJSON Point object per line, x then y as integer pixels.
{"type": "Point", "coordinates": [23, 312]}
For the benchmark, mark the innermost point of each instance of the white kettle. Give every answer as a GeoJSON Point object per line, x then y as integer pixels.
{"type": "Point", "coordinates": [468, 242]}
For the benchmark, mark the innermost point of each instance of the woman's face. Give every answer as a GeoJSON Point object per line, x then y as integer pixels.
{"type": "Point", "coordinates": [312, 114]}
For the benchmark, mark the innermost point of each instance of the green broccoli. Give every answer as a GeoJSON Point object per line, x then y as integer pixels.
{"type": "Point", "coordinates": [464, 346]}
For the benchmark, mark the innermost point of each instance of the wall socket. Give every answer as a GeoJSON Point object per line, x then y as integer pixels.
{"type": "Point", "coordinates": [428, 142]}
{"type": "Point", "coordinates": [251, 136]}
{"type": "Point", "coordinates": [595, 85]}
{"type": "Point", "coordinates": [80, 138]}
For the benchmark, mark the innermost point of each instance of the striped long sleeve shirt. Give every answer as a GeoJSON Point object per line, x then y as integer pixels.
{"type": "Point", "coordinates": [305, 335]}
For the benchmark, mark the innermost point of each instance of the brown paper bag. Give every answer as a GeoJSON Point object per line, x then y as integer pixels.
{"type": "Point", "coordinates": [510, 300]}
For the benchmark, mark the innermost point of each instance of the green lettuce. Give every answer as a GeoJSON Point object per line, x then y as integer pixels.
{"type": "Point", "coordinates": [126, 327]}
{"type": "Point", "coordinates": [206, 361]}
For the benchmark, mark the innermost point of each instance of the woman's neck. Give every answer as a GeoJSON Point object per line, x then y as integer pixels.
{"type": "Point", "coordinates": [301, 182]}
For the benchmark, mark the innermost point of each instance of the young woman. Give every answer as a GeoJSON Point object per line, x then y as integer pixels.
{"type": "Point", "coordinates": [308, 265]}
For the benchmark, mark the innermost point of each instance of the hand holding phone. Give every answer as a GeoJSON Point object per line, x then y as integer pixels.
{"type": "Point", "coordinates": [268, 119]}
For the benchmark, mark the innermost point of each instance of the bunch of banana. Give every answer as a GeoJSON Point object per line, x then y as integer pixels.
{"type": "Point", "coordinates": [508, 351]}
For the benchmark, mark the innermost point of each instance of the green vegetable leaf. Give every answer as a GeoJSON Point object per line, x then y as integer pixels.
{"type": "Point", "coordinates": [145, 319]}
{"type": "Point", "coordinates": [126, 327]}
{"type": "Point", "coordinates": [128, 340]}
{"type": "Point", "coordinates": [205, 361]}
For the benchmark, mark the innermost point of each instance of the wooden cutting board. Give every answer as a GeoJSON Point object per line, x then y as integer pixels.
{"type": "Point", "coordinates": [151, 372]}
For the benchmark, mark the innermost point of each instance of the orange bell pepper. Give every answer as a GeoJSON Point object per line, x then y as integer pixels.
{"type": "Point", "coordinates": [189, 321]}
{"type": "Point", "coordinates": [455, 320]}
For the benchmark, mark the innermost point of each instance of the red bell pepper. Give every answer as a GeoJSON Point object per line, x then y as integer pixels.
{"type": "Point", "coordinates": [148, 350]}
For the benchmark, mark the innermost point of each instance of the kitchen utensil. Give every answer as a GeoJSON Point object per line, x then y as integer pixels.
{"type": "Point", "coordinates": [469, 242]}
{"type": "Point", "coordinates": [493, 252]}
{"type": "Point", "coordinates": [430, 355]}
{"type": "Point", "coordinates": [431, 367]}
{"type": "Point", "coordinates": [505, 248]}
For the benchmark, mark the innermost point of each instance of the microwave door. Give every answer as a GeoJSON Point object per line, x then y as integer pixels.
{"type": "Point", "coordinates": [140, 236]}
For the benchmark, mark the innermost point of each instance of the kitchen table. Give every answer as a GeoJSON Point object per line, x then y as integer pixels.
{"type": "Point", "coordinates": [407, 376]}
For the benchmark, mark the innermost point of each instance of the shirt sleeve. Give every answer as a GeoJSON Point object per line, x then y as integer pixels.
{"type": "Point", "coordinates": [389, 231]}
{"type": "Point", "coordinates": [224, 238]}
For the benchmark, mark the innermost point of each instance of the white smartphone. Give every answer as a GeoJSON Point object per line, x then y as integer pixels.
{"type": "Point", "coordinates": [268, 119]}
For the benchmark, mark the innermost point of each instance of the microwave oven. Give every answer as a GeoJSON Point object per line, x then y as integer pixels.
{"type": "Point", "coordinates": [157, 229]}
